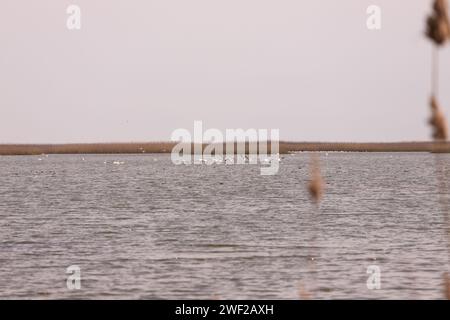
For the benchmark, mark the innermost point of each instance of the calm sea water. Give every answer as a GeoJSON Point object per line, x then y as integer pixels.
{"type": "Point", "coordinates": [145, 228]}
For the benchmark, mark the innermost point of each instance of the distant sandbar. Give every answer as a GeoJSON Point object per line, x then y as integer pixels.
{"type": "Point", "coordinates": [166, 147]}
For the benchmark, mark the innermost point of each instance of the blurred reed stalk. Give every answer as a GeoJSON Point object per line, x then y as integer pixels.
{"type": "Point", "coordinates": [316, 191]}
{"type": "Point", "coordinates": [438, 31]}
{"type": "Point", "coordinates": [447, 286]}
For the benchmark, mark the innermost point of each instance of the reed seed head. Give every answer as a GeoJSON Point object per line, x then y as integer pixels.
{"type": "Point", "coordinates": [316, 184]}
{"type": "Point", "coordinates": [438, 26]}
{"type": "Point", "coordinates": [438, 121]}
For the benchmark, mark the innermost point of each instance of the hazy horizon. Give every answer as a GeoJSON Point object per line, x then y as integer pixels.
{"type": "Point", "coordinates": [138, 70]}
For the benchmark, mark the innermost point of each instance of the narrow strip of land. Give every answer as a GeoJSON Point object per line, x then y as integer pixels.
{"type": "Point", "coordinates": [166, 147]}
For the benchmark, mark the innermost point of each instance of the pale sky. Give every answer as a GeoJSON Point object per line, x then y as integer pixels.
{"type": "Point", "coordinates": [139, 69]}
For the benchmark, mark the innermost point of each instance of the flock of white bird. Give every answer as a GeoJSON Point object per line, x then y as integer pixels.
{"type": "Point", "coordinates": [209, 160]}
{"type": "Point", "coordinates": [243, 159]}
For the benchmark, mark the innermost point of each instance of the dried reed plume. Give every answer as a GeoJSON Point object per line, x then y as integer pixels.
{"type": "Point", "coordinates": [438, 31]}
{"type": "Point", "coordinates": [438, 121]}
{"type": "Point", "coordinates": [315, 186]}
{"type": "Point", "coordinates": [438, 26]}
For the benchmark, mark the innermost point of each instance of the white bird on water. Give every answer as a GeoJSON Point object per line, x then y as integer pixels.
{"type": "Point", "coordinates": [229, 160]}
